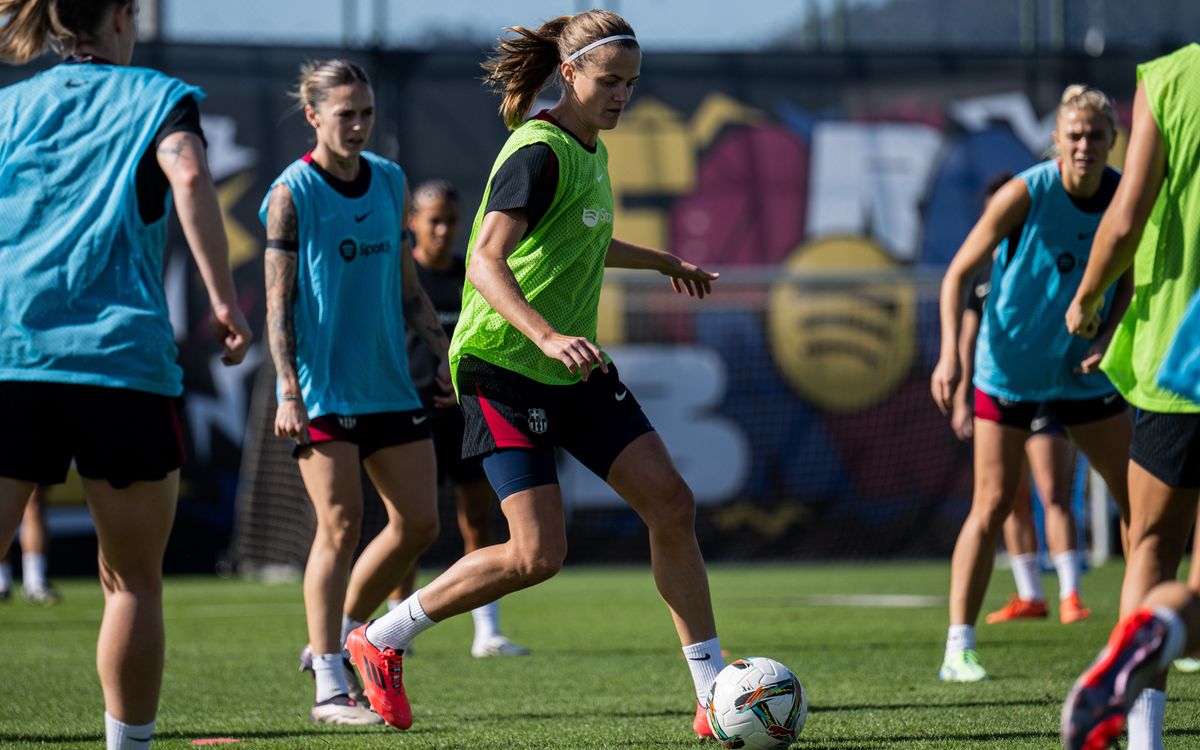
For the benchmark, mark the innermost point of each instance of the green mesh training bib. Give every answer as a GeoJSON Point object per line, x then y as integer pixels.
{"type": "Point", "coordinates": [559, 266]}
{"type": "Point", "coordinates": [1166, 269]}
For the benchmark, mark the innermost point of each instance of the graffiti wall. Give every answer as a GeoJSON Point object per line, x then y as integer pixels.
{"type": "Point", "coordinates": [829, 190]}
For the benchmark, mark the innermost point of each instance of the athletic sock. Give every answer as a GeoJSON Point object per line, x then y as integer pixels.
{"type": "Point", "coordinates": [487, 621]}
{"type": "Point", "coordinates": [705, 661]}
{"type": "Point", "coordinates": [393, 603]}
{"type": "Point", "coordinates": [33, 571]}
{"type": "Point", "coordinates": [1067, 565]}
{"type": "Point", "coordinates": [399, 627]}
{"type": "Point", "coordinates": [1028, 576]}
{"type": "Point", "coordinates": [960, 638]}
{"type": "Point", "coordinates": [1176, 640]}
{"type": "Point", "coordinates": [1145, 721]}
{"type": "Point", "coordinates": [122, 736]}
{"type": "Point", "coordinates": [330, 676]}
{"type": "Point", "coordinates": [348, 624]}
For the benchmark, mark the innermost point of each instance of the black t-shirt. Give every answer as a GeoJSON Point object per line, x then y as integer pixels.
{"type": "Point", "coordinates": [355, 188]}
{"type": "Point", "coordinates": [445, 292]}
{"type": "Point", "coordinates": [528, 179]}
{"type": "Point", "coordinates": [152, 184]}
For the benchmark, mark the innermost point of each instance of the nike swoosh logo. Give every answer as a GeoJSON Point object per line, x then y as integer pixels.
{"type": "Point", "coordinates": [621, 397]}
{"type": "Point", "coordinates": [75, 85]}
{"type": "Point", "coordinates": [138, 739]}
{"type": "Point", "coordinates": [706, 657]}
{"type": "Point", "coordinates": [420, 419]}
{"type": "Point", "coordinates": [599, 178]}
{"type": "Point", "coordinates": [360, 219]}
{"type": "Point", "coordinates": [1110, 398]}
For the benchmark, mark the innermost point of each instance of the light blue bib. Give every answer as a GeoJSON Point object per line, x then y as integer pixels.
{"type": "Point", "coordinates": [81, 292]}
{"type": "Point", "coordinates": [1025, 352]}
{"type": "Point", "coordinates": [349, 306]}
{"type": "Point", "coordinates": [1180, 372]}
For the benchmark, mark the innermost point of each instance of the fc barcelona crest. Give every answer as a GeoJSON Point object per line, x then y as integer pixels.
{"type": "Point", "coordinates": [346, 422]}
{"type": "Point", "coordinates": [537, 421]}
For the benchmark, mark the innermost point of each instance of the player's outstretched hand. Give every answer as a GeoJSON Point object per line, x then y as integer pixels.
{"type": "Point", "coordinates": [232, 333]}
{"type": "Point", "coordinates": [690, 278]}
{"type": "Point", "coordinates": [575, 352]}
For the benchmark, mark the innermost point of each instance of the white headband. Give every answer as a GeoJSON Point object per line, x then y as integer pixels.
{"type": "Point", "coordinates": [598, 43]}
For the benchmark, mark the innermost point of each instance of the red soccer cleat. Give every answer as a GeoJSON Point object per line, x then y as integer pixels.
{"type": "Point", "coordinates": [1018, 609]}
{"type": "Point", "coordinates": [382, 675]}
{"type": "Point", "coordinates": [1094, 712]}
{"type": "Point", "coordinates": [1071, 609]}
{"type": "Point", "coordinates": [700, 723]}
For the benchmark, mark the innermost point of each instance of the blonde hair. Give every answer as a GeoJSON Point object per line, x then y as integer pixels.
{"type": "Point", "coordinates": [521, 65]}
{"type": "Point", "coordinates": [63, 25]}
{"type": "Point", "coordinates": [1080, 96]}
{"type": "Point", "coordinates": [319, 77]}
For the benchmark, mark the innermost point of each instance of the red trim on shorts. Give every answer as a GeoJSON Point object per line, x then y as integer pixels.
{"type": "Point", "coordinates": [986, 407]}
{"type": "Point", "coordinates": [504, 434]}
{"type": "Point", "coordinates": [318, 433]}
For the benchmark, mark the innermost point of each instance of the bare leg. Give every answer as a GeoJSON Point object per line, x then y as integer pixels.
{"type": "Point", "coordinates": [1051, 461]}
{"type": "Point", "coordinates": [1020, 532]}
{"type": "Point", "coordinates": [644, 475]}
{"type": "Point", "coordinates": [999, 463]}
{"type": "Point", "coordinates": [406, 477]}
{"type": "Point", "coordinates": [1193, 579]}
{"type": "Point", "coordinates": [331, 476]}
{"type": "Point", "coordinates": [1162, 520]}
{"type": "Point", "coordinates": [33, 524]}
{"type": "Point", "coordinates": [132, 526]}
{"type": "Point", "coordinates": [1184, 600]}
{"type": "Point", "coordinates": [1106, 445]}
{"type": "Point", "coordinates": [534, 552]}
{"type": "Point", "coordinates": [14, 496]}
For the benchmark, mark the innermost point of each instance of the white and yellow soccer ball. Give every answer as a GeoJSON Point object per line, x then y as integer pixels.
{"type": "Point", "coordinates": [757, 704]}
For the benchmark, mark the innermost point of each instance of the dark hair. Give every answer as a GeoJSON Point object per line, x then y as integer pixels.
{"type": "Point", "coordinates": [522, 64]}
{"type": "Point", "coordinates": [435, 189]}
{"type": "Point", "coordinates": [997, 181]}
{"type": "Point", "coordinates": [31, 25]}
{"type": "Point", "coordinates": [318, 77]}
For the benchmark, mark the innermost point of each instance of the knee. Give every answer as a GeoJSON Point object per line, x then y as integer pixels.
{"type": "Point", "coordinates": [340, 529]}
{"type": "Point", "coordinates": [990, 509]}
{"type": "Point", "coordinates": [421, 531]}
{"type": "Point", "coordinates": [144, 581]}
{"type": "Point", "coordinates": [674, 509]}
{"type": "Point", "coordinates": [538, 563]}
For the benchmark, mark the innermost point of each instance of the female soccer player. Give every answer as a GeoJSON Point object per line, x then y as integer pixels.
{"type": "Point", "coordinates": [35, 587]}
{"type": "Point", "coordinates": [92, 150]}
{"type": "Point", "coordinates": [529, 373]}
{"type": "Point", "coordinates": [1153, 225]}
{"type": "Point", "coordinates": [1051, 459]}
{"type": "Point", "coordinates": [1045, 217]}
{"type": "Point", "coordinates": [433, 220]}
{"type": "Point", "coordinates": [340, 287]}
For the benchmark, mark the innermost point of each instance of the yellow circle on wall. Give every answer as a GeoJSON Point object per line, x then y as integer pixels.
{"type": "Point", "coordinates": [843, 344]}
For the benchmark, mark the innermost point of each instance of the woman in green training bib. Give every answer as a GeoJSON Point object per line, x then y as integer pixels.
{"type": "Point", "coordinates": [528, 371]}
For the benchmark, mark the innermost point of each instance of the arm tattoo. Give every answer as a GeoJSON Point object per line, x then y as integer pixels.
{"type": "Point", "coordinates": [280, 275]}
{"type": "Point", "coordinates": [175, 149]}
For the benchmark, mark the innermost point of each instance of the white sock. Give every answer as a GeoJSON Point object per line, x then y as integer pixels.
{"type": "Point", "coordinates": [5, 575]}
{"type": "Point", "coordinates": [348, 624]}
{"type": "Point", "coordinates": [960, 638]}
{"type": "Point", "coordinates": [1176, 640]}
{"type": "Point", "coordinates": [1067, 565]}
{"type": "Point", "coordinates": [487, 621]}
{"type": "Point", "coordinates": [1145, 721]}
{"type": "Point", "coordinates": [122, 736]}
{"type": "Point", "coordinates": [1028, 576]}
{"type": "Point", "coordinates": [706, 662]}
{"type": "Point", "coordinates": [392, 604]}
{"type": "Point", "coordinates": [399, 627]}
{"type": "Point", "coordinates": [331, 677]}
{"type": "Point", "coordinates": [33, 571]}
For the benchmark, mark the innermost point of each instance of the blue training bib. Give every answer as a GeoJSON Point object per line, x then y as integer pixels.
{"type": "Point", "coordinates": [1180, 371]}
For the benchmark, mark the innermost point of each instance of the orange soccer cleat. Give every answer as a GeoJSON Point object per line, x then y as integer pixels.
{"type": "Point", "coordinates": [382, 678]}
{"type": "Point", "coordinates": [1071, 609]}
{"type": "Point", "coordinates": [700, 723]}
{"type": "Point", "coordinates": [1018, 609]}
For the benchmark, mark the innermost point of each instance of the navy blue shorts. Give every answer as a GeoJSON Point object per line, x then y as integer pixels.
{"type": "Point", "coordinates": [115, 434]}
{"type": "Point", "coordinates": [370, 432]}
{"type": "Point", "coordinates": [593, 420]}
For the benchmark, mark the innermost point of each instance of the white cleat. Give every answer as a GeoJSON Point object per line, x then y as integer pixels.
{"type": "Point", "coordinates": [340, 709]}
{"type": "Point", "coordinates": [497, 645]}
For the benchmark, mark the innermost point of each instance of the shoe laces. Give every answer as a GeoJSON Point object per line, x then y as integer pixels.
{"type": "Point", "coordinates": [395, 671]}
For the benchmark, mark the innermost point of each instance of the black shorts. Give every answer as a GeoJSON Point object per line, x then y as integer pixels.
{"type": "Point", "coordinates": [116, 434]}
{"type": "Point", "coordinates": [1168, 446]}
{"type": "Point", "coordinates": [447, 428]}
{"type": "Point", "coordinates": [593, 420]}
{"type": "Point", "coordinates": [1026, 415]}
{"type": "Point", "coordinates": [370, 432]}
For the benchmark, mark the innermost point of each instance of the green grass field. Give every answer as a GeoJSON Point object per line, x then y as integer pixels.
{"type": "Point", "coordinates": [606, 670]}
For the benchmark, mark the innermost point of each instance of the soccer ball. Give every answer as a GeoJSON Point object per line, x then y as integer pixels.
{"type": "Point", "coordinates": [757, 704]}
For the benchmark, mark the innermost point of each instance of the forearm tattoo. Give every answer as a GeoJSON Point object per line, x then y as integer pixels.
{"type": "Point", "coordinates": [280, 275]}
